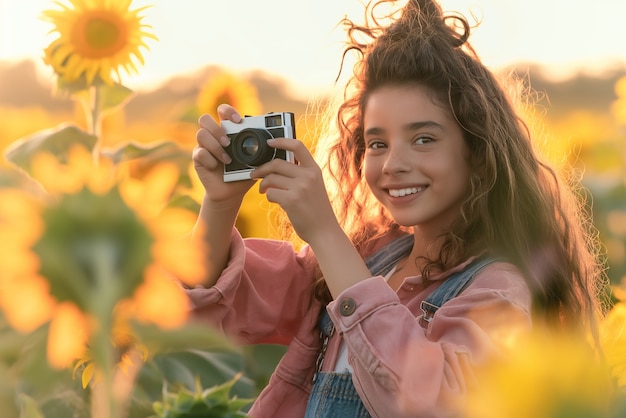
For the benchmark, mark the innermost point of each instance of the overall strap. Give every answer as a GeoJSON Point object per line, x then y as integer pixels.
{"type": "Point", "coordinates": [382, 261]}
{"type": "Point", "coordinates": [451, 287]}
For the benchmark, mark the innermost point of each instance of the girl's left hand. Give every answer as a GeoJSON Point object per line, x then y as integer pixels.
{"type": "Point", "coordinates": [299, 189]}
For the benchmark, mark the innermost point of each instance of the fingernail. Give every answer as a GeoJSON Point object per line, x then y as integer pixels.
{"type": "Point", "coordinates": [226, 158]}
{"type": "Point", "coordinates": [236, 118]}
{"type": "Point", "coordinates": [225, 141]}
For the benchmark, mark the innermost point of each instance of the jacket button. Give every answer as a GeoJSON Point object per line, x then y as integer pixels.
{"type": "Point", "coordinates": [347, 307]}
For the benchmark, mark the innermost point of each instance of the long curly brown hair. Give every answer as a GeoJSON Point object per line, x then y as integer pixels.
{"type": "Point", "coordinates": [517, 206]}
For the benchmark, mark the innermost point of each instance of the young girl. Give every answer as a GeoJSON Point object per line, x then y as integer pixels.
{"type": "Point", "coordinates": [435, 178]}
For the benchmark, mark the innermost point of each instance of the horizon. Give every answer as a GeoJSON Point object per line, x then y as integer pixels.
{"type": "Point", "coordinates": [21, 85]}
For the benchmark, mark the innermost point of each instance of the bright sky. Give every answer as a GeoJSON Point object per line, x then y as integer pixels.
{"type": "Point", "coordinates": [299, 39]}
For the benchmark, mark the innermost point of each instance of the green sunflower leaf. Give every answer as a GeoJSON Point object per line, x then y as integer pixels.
{"type": "Point", "coordinates": [149, 155]}
{"type": "Point", "coordinates": [57, 141]}
{"type": "Point", "coordinates": [159, 340]}
{"type": "Point", "coordinates": [114, 96]}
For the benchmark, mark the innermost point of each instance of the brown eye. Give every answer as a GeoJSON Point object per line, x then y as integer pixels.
{"type": "Point", "coordinates": [421, 140]}
{"type": "Point", "coordinates": [375, 145]}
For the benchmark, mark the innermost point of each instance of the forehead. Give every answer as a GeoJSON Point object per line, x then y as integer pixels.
{"type": "Point", "coordinates": [402, 102]}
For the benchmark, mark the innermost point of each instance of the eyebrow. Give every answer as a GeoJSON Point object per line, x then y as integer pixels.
{"type": "Point", "coordinates": [413, 126]}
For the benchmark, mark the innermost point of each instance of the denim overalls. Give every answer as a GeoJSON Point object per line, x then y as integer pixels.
{"type": "Point", "coordinates": [333, 393]}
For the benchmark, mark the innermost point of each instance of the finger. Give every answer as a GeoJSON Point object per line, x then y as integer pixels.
{"type": "Point", "coordinates": [207, 140]}
{"type": "Point", "coordinates": [275, 181]}
{"type": "Point", "coordinates": [227, 112]}
{"type": "Point", "coordinates": [300, 151]}
{"type": "Point", "coordinates": [207, 122]}
{"type": "Point", "coordinates": [276, 166]}
{"type": "Point", "coordinates": [285, 198]}
{"type": "Point", "coordinates": [277, 196]}
{"type": "Point", "coordinates": [202, 158]}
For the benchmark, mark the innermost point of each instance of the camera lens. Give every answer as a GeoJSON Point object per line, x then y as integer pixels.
{"type": "Point", "coordinates": [250, 147]}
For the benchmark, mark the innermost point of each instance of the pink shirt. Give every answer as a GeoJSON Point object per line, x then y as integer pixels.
{"type": "Point", "coordinates": [401, 368]}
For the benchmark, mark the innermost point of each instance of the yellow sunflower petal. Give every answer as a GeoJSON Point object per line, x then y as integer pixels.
{"type": "Point", "coordinates": [26, 302]}
{"type": "Point", "coordinates": [20, 222]}
{"type": "Point", "coordinates": [85, 359]}
{"type": "Point", "coordinates": [88, 374]}
{"type": "Point", "coordinates": [150, 195]}
{"type": "Point", "coordinates": [102, 178]}
{"type": "Point", "coordinates": [68, 335]}
{"type": "Point", "coordinates": [173, 223]}
{"type": "Point", "coordinates": [545, 375]}
{"type": "Point", "coordinates": [181, 255]}
{"type": "Point", "coordinates": [16, 262]}
{"type": "Point", "coordinates": [54, 176]}
{"type": "Point", "coordinates": [80, 162]}
{"type": "Point", "coordinates": [613, 339]}
{"type": "Point", "coordinates": [161, 300]}
{"type": "Point", "coordinates": [182, 260]}
{"type": "Point", "coordinates": [99, 178]}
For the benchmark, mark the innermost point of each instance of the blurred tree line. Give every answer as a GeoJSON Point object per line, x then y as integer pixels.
{"type": "Point", "coordinates": [583, 119]}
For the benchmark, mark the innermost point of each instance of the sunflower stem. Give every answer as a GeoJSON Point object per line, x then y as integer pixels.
{"type": "Point", "coordinates": [104, 404]}
{"type": "Point", "coordinates": [95, 120]}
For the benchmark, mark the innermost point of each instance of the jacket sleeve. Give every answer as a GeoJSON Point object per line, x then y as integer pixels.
{"type": "Point", "coordinates": [404, 370]}
{"type": "Point", "coordinates": [262, 294]}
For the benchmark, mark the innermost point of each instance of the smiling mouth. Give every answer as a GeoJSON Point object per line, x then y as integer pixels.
{"type": "Point", "coordinates": [405, 192]}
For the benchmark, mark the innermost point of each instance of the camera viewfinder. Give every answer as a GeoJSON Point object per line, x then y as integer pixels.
{"type": "Point", "coordinates": [273, 121]}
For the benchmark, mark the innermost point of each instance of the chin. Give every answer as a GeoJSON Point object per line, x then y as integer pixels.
{"type": "Point", "coordinates": [404, 221]}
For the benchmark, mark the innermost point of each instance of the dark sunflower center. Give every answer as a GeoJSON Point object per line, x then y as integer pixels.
{"type": "Point", "coordinates": [225, 96]}
{"type": "Point", "coordinates": [100, 34]}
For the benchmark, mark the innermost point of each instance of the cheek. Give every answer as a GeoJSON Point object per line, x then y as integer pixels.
{"type": "Point", "coordinates": [459, 176]}
{"type": "Point", "coordinates": [370, 172]}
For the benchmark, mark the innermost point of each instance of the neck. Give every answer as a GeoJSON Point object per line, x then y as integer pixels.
{"type": "Point", "coordinates": [425, 245]}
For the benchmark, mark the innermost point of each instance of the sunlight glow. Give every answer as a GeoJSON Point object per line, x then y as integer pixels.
{"type": "Point", "coordinates": [301, 41]}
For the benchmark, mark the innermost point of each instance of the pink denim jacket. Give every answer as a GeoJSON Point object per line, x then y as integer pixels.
{"type": "Point", "coordinates": [402, 368]}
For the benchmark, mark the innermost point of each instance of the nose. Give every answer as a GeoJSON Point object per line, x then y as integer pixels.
{"type": "Point", "coordinates": [397, 160]}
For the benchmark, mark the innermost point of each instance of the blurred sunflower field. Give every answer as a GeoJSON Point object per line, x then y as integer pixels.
{"type": "Point", "coordinates": [98, 200]}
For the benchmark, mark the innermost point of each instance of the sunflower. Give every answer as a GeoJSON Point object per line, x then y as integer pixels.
{"type": "Point", "coordinates": [545, 375]}
{"type": "Point", "coordinates": [73, 256]}
{"type": "Point", "coordinates": [613, 335]}
{"type": "Point", "coordinates": [227, 88]}
{"type": "Point", "coordinates": [96, 39]}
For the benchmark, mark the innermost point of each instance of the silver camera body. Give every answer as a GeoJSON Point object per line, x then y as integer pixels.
{"type": "Point", "coordinates": [248, 147]}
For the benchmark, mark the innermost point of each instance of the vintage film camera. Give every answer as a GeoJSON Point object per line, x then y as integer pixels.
{"type": "Point", "coordinates": [248, 142]}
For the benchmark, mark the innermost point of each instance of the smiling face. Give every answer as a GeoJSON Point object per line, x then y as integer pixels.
{"type": "Point", "coordinates": [416, 159]}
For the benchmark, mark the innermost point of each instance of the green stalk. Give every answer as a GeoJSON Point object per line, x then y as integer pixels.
{"type": "Point", "coordinates": [95, 120]}
{"type": "Point", "coordinates": [104, 298]}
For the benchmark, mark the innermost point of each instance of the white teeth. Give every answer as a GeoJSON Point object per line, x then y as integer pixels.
{"type": "Point", "coordinates": [404, 192]}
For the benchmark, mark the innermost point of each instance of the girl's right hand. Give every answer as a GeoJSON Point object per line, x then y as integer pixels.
{"type": "Point", "coordinates": [209, 158]}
